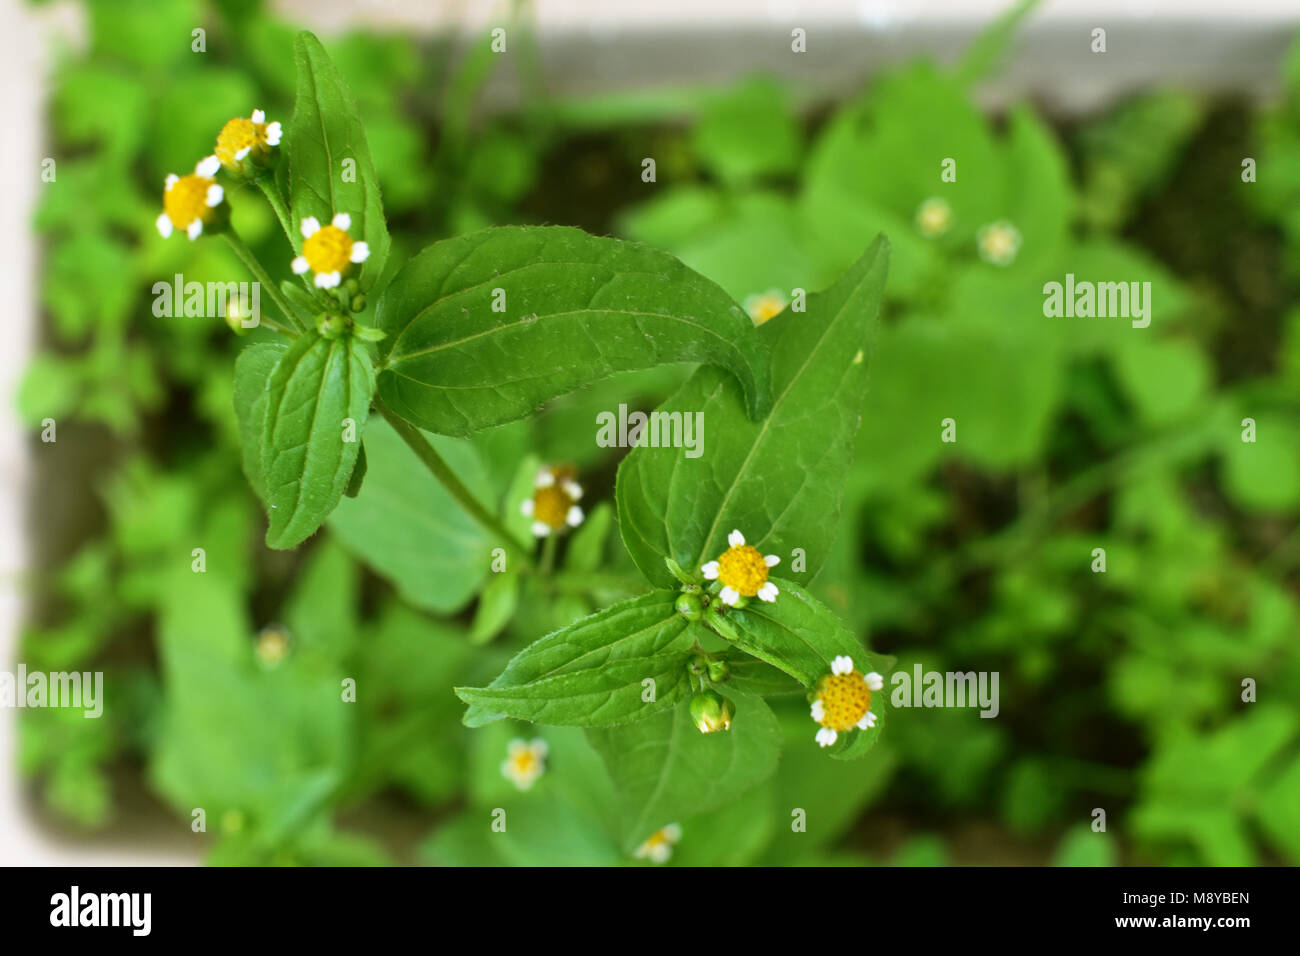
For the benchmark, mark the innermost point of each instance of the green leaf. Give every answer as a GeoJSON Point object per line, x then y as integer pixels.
{"type": "Point", "coordinates": [666, 770]}
{"type": "Point", "coordinates": [577, 308]}
{"type": "Point", "coordinates": [592, 672]}
{"type": "Point", "coordinates": [407, 527]}
{"type": "Point", "coordinates": [798, 634]}
{"type": "Point", "coordinates": [330, 169]}
{"type": "Point", "coordinates": [253, 370]}
{"type": "Point", "coordinates": [496, 605]}
{"type": "Point", "coordinates": [779, 480]}
{"type": "Point", "coordinates": [587, 545]}
{"type": "Point", "coordinates": [748, 131]}
{"type": "Point", "coordinates": [358, 474]}
{"type": "Point", "coordinates": [316, 386]}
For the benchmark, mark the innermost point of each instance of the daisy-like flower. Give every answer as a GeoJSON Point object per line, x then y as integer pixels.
{"type": "Point", "coordinates": [998, 242]}
{"type": "Point", "coordinates": [243, 139]}
{"type": "Point", "coordinates": [844, 700]}
{"type": "Point", "coordinates": [190, 202]}
{"type": "Point", "coordinates": [659, 847]}
{"type": "Point", "coordinates": [525, 762]}
{"type": "Point", "coordinates": [742, 571]}
{"type": "Point", "coordinates": [765, 305]}
{"type": "Point", "coordinates": [272, 646]}
{"type": "Point", "coordinates": [933, 217]}
{"type": "Point", "coordinates": [554, 504]}
{"type": "Point", "coordinates": [328, 250]}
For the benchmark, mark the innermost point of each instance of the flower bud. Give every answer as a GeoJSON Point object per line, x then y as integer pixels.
{"type": "Point", "coordinates": [719, 671]}
{"type": "Point", "coordinates": [711, 712]}
{"type": "Point", "coordinates": [331, 326]}
{"type": "Point", "coordinates": [690, 606]}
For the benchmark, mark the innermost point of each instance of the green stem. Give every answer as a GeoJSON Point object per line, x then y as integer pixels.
{"type": "Point", "coordinates": [272, 193]}
{"type": "Point", "coordinates": [260, 274]}
{"type": "Point", "coordinates": [424, 450]}
{"type": "Point", "coordinates": [548, 552]}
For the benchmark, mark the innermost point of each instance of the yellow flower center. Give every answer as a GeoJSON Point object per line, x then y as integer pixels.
{"type": "Point", "coordinates": [328, 249]}
{"type": "Point", "coordinates": [743, 569]}
{"type": "Point", "coordinates": [551, 505]}
{"type": "Point", "coordinates": [239, 133]}
{"type": "Point", "coordinates": [845, 700]}
{"type": "Point", "coordinates": [524, 762]}
{"type": "Point", "coordinates": [767, 307]}
{"type": "Point", "coordinates": [187, 200]}
{"type": "Point", "coordinates": [658, 838]}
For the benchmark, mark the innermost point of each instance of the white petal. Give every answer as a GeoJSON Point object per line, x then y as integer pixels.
{"type": "Point", "coordinates": [171, 180]}
{"type": "Point", "coordinates": [771, 560]}
{"type": "Point", "coordinates": [874, 681]}
{"type": "Point", "coordinates": [241, 153]}
{"type": "Point", "coordinates": [526, 508]}
{"type": "Point", "coordinates": [327, 280]}
{"type": "Point", "coordinates": [842, 665]}
{"type": "Point", "coordinates": [195, 229]}
{"type": "Point", "coordinates": [342, 221]}
{"type": "Point", "coordinates": [768, 592]}
{"type": "Point", "coordinates": [309, 226]}
{"type": "Point", "coordinates": [539, 747]}
{"type": "Point", "coordinates": [735, 539]}
{"type": "Point", "coordinates": [259, 116]}
{"type": "Point", "coordinates": [818, 710]}
{"type": "Point", "coordinates": [273, 133]}
{"type": "Point", "coordinates": [164, 225]}
{"type": "Point", "coordinates": [207, 166]}
{"type": "Point", "coordinates": [672, 832]}
{"type": "Point", "coordinates": [826, 737]}
{"type": "Point", "coordinates": [729, 595]}
{"type": "Point", "coordinates": [360, 251]}
{"type": "Point", "coordinates": [515, 746]}
{"type": "Point", "coordinates": [867, 722]}
{"type": "Point", "coordinates": [545, 478]}
{"type": "Point", "coordinates": [541, 529]}
{"type": "Point", "coordinates": [573, 490]}
{"type": "Point", "coordinates": [215, 194]}
{"type": "Point", "coordinates": [660, 852]}
{"type": "Point", "coordinates": [574, 517]}
{"type": "Point", "coordinates": [710, 571]}
{"type": "Point", "coordinates": [299, 265]}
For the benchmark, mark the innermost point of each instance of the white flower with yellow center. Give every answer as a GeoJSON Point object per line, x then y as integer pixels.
{"type": "Point", "coordinates": [659, 847]}
{"type": "Point", "coordinates": [328, 250]}
{"type": "Point", "coordinates": [241, 139]}
{"type": "Point", "coordinates": [998, 242]}
{"type": "Point", "coordinates": [844, 700]}
{"type": "Point", "coordinates": [554, 504]}
{"type": "Point", "coordinates": [525, 762]}
{"type": "Point", "coordinates": [934, 217]}
{"type": "Point", "coordinates": [742, 571]}
{"type": "Point", "coordinates": [191, 201]}
{"type": "Point", "coordinates": [765, 305]}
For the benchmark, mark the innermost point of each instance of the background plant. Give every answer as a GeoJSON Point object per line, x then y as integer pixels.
{"type": "Point", "coordinates": [972, 555]}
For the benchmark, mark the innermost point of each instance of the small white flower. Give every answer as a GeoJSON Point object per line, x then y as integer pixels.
{"type": "Point", "coordinates": [525, 762]}
{"type": "Point", "coordinates": [328, 250]}
{"type": "Point", "coordinates": [658, 848]}
{"type": "Point", "coordinates": [554, 503]}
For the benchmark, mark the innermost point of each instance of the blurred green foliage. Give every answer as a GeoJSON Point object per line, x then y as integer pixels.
{"type": "Point", "coordinates": [1120, 690]}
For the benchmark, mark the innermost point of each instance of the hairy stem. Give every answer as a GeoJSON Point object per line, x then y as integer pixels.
{"type": "Point", "coordinates": [272, 193]}
{"type": "Point", "coordinates": [439, 468]}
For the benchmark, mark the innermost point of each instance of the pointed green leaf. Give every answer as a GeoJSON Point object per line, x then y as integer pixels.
{"type": "Point", "coordinates": [316, 387]}
{"type": "Point", "coordinates": [485, 327]}
{"type": "Point", "coordinates": [778, 480]}
{"type": "Point", "coordinates": [330, 169]}
{"type": "Point", "coordinates": [593, 673]}
{"type": "Point", "coordinates": [666, 770]}
{"type": "Point", "coordinates": [253, 370]}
